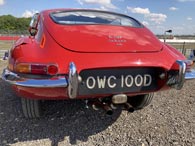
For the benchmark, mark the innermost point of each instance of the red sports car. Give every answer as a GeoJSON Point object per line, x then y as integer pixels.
{"type": "Point", "coordinates": [105, 58]}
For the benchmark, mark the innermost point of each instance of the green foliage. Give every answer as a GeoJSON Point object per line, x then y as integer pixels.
{"type": "Point", "coordinates": [12, 25]}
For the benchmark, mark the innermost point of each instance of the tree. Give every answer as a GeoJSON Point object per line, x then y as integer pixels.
{"type": "Point", "coordinates": [12, 25]}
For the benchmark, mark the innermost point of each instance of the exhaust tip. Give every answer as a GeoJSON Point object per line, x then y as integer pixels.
{"type": "Point", "coordinates": [129, 107]}
{"type": "Point", "coordinates": [109, 112]}
{"type": "Point", "coordinates": [131, 110]}
{"type": "Point", "coordinates": [95, 107]}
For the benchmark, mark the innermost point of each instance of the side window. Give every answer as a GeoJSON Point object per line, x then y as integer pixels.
{"type": "Point", "coordinates": [39, 31]}
{"type": "Point", "coordinates": [33, 24]}
{"type": "Point", "coordinates": [34, 21]}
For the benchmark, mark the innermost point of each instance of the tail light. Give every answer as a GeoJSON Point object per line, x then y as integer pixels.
{"type": "Point", "coordinates": [189, 65]}
{"type": "Point", "coordinates": [23, 68]}
{"type": "Point", "coordinates": [176, 77]}
{"type": "Point", "coordinates": [41, 69]}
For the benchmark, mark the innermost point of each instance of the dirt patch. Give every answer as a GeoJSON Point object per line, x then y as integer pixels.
{"type": "Point", "coordinates": [168, 121]}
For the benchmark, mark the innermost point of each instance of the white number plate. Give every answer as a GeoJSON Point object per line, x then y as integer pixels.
{"type": "Point", "coordinates": [118, 81]}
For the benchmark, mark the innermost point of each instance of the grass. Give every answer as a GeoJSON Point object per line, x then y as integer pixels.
{"type": "Point", "coordinates": [6, 45]}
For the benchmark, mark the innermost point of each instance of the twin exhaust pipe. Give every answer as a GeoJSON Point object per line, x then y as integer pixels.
{"type": "Point", "coordinates": [102, 105]}
{"type": "Point", "coordinates": [109, 106]}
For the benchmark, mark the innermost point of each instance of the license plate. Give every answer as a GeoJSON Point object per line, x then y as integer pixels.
{"type": "Point", "coordinates": [112, 81]}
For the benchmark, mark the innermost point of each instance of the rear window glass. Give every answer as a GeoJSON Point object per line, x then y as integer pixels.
{"type": "Point", "coordinates": [93, 17]}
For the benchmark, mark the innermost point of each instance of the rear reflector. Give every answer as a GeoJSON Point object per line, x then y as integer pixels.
{"type": "Point", "coordinates": [52, 69]}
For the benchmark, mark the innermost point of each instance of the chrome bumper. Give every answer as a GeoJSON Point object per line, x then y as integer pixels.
{"type": "Point", "coordinates": [181, 76]}
{"type": "Point", "coordinates": [177, 81]}
{"type": "Point", "coordinates": [73, 80]}
{"type": "Point", "coordinates": [15, 79]}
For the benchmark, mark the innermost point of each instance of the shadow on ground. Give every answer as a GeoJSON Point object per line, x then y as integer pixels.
{"type": "Point", "coordinates": [61, 119]}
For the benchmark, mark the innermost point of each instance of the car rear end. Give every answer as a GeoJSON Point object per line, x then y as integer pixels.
{"type": "Point", "coordinates": [109, 53]}
{"type": "Point", "coordinates": [90, 54]}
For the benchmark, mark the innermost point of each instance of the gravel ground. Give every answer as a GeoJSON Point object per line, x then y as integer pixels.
{"type": "Point", "coordinates": [168, 121]}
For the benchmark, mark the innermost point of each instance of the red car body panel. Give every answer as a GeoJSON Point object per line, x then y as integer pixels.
{"type": "Point", "coordinates": [89, 47]}
{"type": "Point", "coordinates": [132, 40]}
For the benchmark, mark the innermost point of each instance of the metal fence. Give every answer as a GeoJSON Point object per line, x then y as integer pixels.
{"type": "Point", "coordinates": [183, 45]}
{"type": "Point", "coordinates": [184, 48]}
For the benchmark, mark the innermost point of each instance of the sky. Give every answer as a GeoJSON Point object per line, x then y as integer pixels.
{"type": "Point", "coordinates": [157, 15]}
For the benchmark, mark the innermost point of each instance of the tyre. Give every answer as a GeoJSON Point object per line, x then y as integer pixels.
{"type": "Point", "coordinates": [31, 108]}
{"type": "Point", "coordinates": [141, 101]}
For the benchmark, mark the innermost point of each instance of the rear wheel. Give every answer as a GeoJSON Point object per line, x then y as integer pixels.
{"type": "Point", "coordinates": [31, 108]}
{"type": "Point", "coordinates": [141, 101]}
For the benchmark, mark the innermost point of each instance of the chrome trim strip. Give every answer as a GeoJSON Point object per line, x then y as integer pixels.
{"type": "Point", "coordinates": [190, 75]}
{"type": "Point", "coordinates": [15, 79]}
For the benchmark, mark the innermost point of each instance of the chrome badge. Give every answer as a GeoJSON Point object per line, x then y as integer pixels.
{"type": "Point", "coordinates": [118, 40]}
